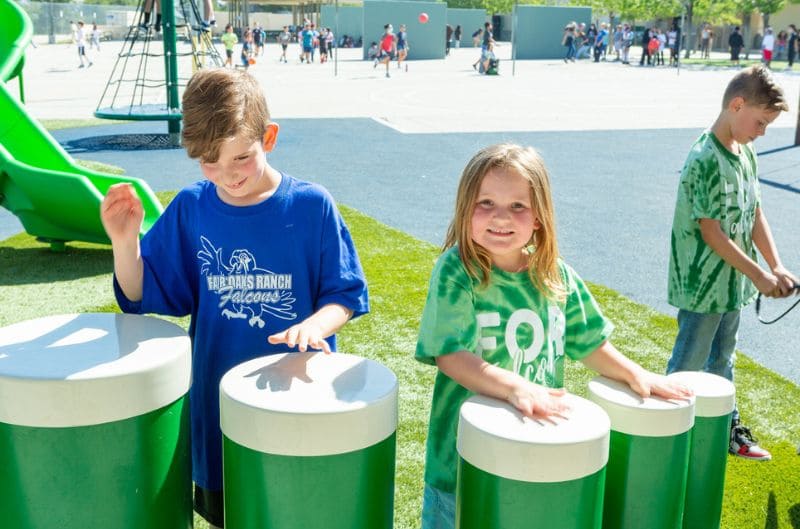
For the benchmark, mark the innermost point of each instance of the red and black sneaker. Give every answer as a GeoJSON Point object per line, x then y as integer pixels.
{"type": "Point", "coordinates": [744, 445]}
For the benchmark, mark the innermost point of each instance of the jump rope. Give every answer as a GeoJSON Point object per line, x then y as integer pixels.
{"type": "Point", "coordinates": [769, 322]}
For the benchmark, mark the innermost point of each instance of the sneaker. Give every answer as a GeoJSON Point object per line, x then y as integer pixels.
{"type": "Point", "coordinates": [90, 64]}
{"type": "Point", "coordinates": [81, 66]}
{"type": "Point", "coordinates": [374, 64]}
{"type": "Point", "coordinates": [387, 74]}
{"type": "Point", "coordinates": [744, 445]}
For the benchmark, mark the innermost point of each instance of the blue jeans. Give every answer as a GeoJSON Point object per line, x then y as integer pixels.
{"type": "Point", "coordinates": [438, 509]}
{"type": "Point", "coordinates": [706, 342]}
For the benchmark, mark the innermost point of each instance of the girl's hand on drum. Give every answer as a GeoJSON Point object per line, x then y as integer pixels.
{"type": "Point", "coordinates": [649, 384]}
{"type": "Point", "coordinates": [539, 402]}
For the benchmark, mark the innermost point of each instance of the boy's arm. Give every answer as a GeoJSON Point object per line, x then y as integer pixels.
{"type": "Point", "coordinates": [717, 240]}
{"type": "Point", "coordinates": [762, 238]}
{"type": "Point", "coordinates": [312, 331]}
{"type": "Point", "coordinates": [478, 376]}
{"type": "Point", "coordinates": [610, 363]}
{"type": "Point", "coordinates": [121, 213]}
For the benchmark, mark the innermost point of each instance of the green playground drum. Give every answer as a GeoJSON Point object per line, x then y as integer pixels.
{"type": "Point", "coordinates": [514, 472]}
{"type": "Point", "coordinates": [648, 459]}
{"type": "Point", "coordinates": [309, 442]}
{"type": "Point", "coordinates": [94, 430]}
{"type": "Point", "coordinates": [715, 400]}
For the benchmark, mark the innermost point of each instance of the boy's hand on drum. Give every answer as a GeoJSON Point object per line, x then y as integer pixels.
{"type": "Point", "coordinates": [649, 384]}
{"type": "Point", "coordinates": [539, 402]}
{"type": "Point", "coordinates": [304, 335]}
{"type": "Point", "coordinates": [121, 213]}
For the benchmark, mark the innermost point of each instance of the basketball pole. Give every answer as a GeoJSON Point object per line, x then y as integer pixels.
{"type": "Point", "coordinates": [514, 41]}
{"type": "Point", "coordinates": [335, 43]}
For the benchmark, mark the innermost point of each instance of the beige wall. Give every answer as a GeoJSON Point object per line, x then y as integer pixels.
{"type": "Point", "coordinates": [781, 20]}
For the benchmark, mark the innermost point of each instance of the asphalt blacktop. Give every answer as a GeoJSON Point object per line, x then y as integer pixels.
{"type": "Point", "coordinates": [614, 138]}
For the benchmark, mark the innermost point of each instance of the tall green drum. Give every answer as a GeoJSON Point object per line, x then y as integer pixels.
{"type": "Point", "coordinates": [715, 400]}
{"type": "Point", "coordinates": [94, 423]}
{"type": "Point", "coordinates": [514, 472]}
{"type": "Point", "coordinates": [648, 459]}
{"type": "Point", "coordinates": [309, 442]}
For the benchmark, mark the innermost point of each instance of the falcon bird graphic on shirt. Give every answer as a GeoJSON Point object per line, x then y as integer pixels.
{"type": "Point", "coordinates": [245, 291]}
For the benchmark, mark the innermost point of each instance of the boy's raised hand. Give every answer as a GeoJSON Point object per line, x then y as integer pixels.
{"type": "Point", "coordinates": [121, 213]}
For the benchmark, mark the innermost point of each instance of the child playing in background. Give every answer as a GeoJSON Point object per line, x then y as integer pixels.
{"type": "Point", "coordinates": [261, 261]}
{"type": "Point", "coordinates": [229, 39]}
{"type": "Point", "coordinates": [503, 310]}
{"type": "Point", "coordinates": [718, 225]}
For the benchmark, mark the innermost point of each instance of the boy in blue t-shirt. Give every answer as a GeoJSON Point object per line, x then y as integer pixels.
{"type": "Point", "coordinates": [263, 262]}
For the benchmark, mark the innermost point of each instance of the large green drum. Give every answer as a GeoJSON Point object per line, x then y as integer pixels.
{"type": "Point", "coordinates": [514, 472]}
{"type": "Point", "coordinates": [648, 459]}
{"type": "Point", "coordinates": [715, 400]}
{"type": "Point", "coordinates": [309, 442]}
{"type": "Point", "coordinates": [94, 423]}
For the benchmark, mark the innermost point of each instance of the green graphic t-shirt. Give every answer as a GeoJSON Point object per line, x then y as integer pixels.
{"type": "Point", "coordinates": [715, 184]}
{"type": "Point", "coordinates": [509, 324]}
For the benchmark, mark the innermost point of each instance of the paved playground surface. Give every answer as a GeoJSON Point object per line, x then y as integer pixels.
{"type": "Point", "coordinates": [614, 139]}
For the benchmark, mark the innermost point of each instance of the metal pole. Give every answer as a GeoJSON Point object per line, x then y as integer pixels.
{"type": "Point", "coordinates": [336, 43]}
{"type": "Point", "coordinates": [514, 40]}
{"type": "Point", "coordinates": [51, 37]}
{"type": "Point", "coordinates": [171, 68]}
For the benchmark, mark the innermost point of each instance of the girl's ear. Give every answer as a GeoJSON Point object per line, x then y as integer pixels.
{"type": "Point", "coordinates": [270, 137]}
{"type": "Point", "coordinates": [536, 223]}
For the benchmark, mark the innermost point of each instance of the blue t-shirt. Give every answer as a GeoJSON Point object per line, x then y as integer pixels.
{"type": "Point", "coordinates": [243, 273]}
{"type": "Point", "coordinates": [308, 38]}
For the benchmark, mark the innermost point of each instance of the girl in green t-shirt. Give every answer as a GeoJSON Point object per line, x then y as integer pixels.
{"type": "Point", "coordinates": [503, 310]}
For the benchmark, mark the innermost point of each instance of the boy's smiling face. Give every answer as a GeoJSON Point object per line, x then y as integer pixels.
{"type": "Point", "coordinates": [241, 173]}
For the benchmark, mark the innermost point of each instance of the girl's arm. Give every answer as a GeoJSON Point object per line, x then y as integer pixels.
{"type": "Point", "coordinates": [479, 376]}
{"type": "Point", "coordinates": [121, 213]}
{"type": "Point", "coordinates": [610, 363]}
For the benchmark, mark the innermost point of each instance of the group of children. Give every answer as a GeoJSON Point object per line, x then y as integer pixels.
{"type": "Point", "coordinates": [392, 46]}
{"type": "Point", "coordinates": [503, 309]}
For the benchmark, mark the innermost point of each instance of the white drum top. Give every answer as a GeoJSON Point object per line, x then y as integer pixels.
{"type": "Point", "coordinates": [496, 438]}
{"type": "Point", "coordinates": [308, 403]}
{"type": "Point", "coordinates": [715, 396]}
{"type": "Point", "coordinates": [84, 369]}
{"type": "Point", "coordinates": [634, 415]}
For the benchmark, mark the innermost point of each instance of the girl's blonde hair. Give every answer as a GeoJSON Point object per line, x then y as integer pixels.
{"type": "Point", "coordinates": [543, 259]}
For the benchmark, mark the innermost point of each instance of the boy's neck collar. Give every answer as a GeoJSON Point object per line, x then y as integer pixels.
{"type": "Point", "coordinates": [721, 129]}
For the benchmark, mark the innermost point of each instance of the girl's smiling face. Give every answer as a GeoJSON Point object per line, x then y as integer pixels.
{"type": "Point", "coordinates": [503, 220]}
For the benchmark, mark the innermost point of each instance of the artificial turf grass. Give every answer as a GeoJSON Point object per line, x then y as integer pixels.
{"type": "Point", "coordinates": [397, 268]}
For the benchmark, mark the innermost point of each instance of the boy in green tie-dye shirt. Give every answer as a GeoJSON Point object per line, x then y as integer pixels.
{"type": "Point", "coordinates": [718, 225]}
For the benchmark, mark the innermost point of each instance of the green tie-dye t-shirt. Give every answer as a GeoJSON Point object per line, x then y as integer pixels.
{"type": "Point", "coordinates": [509, 324]}
{"type": "Point", "coordinates": [715, 184]}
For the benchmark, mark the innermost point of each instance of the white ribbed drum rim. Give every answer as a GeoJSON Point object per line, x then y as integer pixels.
{"type": "Point", "coordinates": [496, 438]}
{"type": "Point", "coordinates": [310, 419]}
{"type": "Point", "coordinates": [633, 415]}
{"type": "Point", "coordinates": [80, 379]}
{"type": "Point", "coordinates": [715, 396]}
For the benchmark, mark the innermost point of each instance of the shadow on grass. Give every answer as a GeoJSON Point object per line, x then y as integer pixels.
{"type": "Point", "coordinates": [772, 512]}
{"type": "Point", "coordinates": [23, 266]}
{"type": "Point", "coordinates": [794, 515]}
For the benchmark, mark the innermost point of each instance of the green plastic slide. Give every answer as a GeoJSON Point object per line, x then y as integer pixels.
{"type": "Point", "coordinates": [55, 199]}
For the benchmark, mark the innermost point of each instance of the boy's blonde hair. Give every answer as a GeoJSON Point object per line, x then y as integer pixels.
{"type": "Point", "coordinates": [219, 104]}
{"type": "Point", "coordinates": [543, 260]}
{"type": "Point", "coordinates": [756, 86]}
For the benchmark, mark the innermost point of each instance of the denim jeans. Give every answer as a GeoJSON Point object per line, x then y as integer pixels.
{"type": "Point", "coordinates": [706, 342]}
{"type": "Point", "coordinates": [438, 509]}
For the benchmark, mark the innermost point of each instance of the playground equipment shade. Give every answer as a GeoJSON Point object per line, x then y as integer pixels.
{"type": "Point", "coordinates": [55, 199]}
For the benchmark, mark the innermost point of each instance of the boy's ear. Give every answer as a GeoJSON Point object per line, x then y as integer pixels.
{"type": "Point", "coordinates": [736, 104]}
{"type": "Point", "coordinates": [270, 137]}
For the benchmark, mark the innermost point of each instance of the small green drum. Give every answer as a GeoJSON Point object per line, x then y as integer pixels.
{"type": "Point", "coordinates": [648, 459]}
{"type": "Point", "coordinates": [514, 472]}
{"type": "Point", "coordinates": [309, 442]}
{"type": "Point", "coordinates": [94, 430]}
{"type": "Point", "coordinates": [715, 400]}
